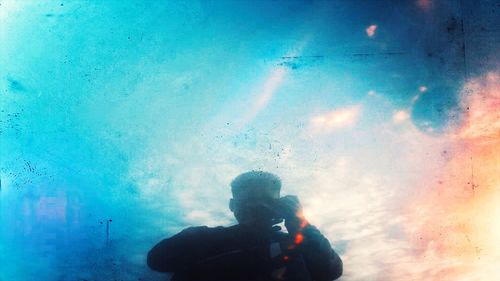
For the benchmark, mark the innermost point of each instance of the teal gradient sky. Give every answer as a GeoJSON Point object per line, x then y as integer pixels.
{"type": "Point", "coordinates": [143, 111]}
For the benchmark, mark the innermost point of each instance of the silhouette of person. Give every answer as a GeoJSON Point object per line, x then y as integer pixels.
{"type": "Point", "coordinates": [255, 248]}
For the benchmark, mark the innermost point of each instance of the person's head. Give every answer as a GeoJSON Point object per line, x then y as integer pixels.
{"type": "Point", "coordinates": [254, 197]}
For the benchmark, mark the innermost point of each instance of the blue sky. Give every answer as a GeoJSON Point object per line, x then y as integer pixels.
{"type": "Point", "coordinates": [143, 111]}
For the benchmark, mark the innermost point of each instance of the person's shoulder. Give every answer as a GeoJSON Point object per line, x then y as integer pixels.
{"type": "Point", "coordinates": [202, 229]}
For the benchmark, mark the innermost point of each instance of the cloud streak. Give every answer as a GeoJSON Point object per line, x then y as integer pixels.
{"type": "Point", "coordinates": [336, 119]}
{"type": "Point", "coordinates": [271, 84]}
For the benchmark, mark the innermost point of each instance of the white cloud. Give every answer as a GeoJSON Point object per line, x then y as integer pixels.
{"type": "Point", "coordinates": [336, 119]}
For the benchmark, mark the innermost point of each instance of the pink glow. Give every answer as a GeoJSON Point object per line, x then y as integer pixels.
{"type": "Point", "coordinates": [370, 31]}
{"type": "Point", "coordinates": [424, 4]}
{"type": "Point", "coordinates": [400, 116]}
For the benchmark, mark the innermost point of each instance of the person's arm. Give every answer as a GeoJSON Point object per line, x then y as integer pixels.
{"type": "Point", "coordinates": [177, 252]}
{"type": "Point", "coordinates": [322, 262]}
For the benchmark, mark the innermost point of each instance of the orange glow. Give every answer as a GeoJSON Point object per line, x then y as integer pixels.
{"type": "Point", "coordinates": [483, 121]}
{"type": "Point", "coordinates": [303, 223]}
{"type": "Point", "coordinates": [455, 226]}
{"type": "Point", "coordinates": [299, 238]}
{"type": "Point", "coordinates": [302, 218]}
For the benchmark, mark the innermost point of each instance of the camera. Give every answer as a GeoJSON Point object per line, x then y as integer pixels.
{"type": "Point", "coordinates": [279, 212]}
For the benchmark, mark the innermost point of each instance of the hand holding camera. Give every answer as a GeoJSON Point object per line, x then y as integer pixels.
{"type": "Point", "coordinates": [290, 209]}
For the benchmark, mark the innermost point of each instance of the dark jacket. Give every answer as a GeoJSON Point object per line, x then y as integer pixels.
{"type": "Point", "coordinates": [237, 253]}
